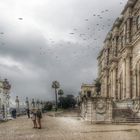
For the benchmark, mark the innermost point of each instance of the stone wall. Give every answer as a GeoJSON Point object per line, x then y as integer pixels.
{"type": "Point", "coordinates": [97, 110]}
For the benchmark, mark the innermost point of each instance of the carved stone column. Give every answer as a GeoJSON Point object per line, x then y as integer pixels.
{"type": "Point", "coordinates": [124, 80]}
{"type": "Point", "coordinates": [138, 80]}
{"type": "Point", "coordinates": [128, 79]}
{"type": "Point", "coordinates": [93, 116]}
{"type": "Point", "coordinates": [128, 30]}
{"type": "Point", "coordinates": [106, 84]}
{"type": "Point", "coordinates": [114, 83]}
{"type": "Point", "coordinates": [109, 104]}
{"type": "Point", "coordinates": [134, 84]}
{"type": "Point", "coordinates": [119, 88]}
{"type": "Point", "coordinates": [105, 92]}
{"type": "Point", "coordinates": [111, 83]}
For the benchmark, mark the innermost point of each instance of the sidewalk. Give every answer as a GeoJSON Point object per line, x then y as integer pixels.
{"type": "Point", "coordinates": [66, 128]}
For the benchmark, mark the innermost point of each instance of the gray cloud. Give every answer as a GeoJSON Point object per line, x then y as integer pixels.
{"type": "Point", "coordinates": [56, 40]}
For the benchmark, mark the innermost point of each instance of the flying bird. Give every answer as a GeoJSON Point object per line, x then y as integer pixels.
{"type": "Point", "coordinates": [20, 18]}
{"type": "Point", "coordinates": [72, 33]}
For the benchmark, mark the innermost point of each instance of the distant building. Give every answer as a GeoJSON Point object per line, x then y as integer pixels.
{"type": "Point", "coordinates": [4, 99]}
{"type": "Point", "coordinates": [88, 90]}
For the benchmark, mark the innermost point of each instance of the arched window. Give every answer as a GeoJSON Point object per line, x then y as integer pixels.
{"type": "Point", "coordinates": [138, 22]}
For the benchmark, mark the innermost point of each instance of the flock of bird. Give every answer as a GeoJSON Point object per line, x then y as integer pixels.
{"type": "Point", "coordinates": [88, 38]}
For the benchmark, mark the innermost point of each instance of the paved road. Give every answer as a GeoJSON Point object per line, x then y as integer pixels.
{"type": "Point", "coordinates": [66, 128]}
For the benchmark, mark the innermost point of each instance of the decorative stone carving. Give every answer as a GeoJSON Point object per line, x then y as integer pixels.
{"type": "Point", "coordinates": [136, 107]}
{"type": "Point", "coordinates": [101, 107]}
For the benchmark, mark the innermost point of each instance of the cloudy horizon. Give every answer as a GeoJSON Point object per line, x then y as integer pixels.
{"type": "Point", "coordinates": [47, 40]}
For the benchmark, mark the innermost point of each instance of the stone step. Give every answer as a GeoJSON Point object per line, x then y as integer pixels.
{"type": "Point", "coordinates": [133, 119]}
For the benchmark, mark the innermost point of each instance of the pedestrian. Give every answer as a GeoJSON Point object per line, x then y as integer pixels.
{"type": "Point", "coordinates": [14, 113]}
{"type": "Point", "coordinates": [33, 117]}
{"type": "Point", "coordinates": [28, 112]}
{"type": "Point", "coordinates": [38, 118]}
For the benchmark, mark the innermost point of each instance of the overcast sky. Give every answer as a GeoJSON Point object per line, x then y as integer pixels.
{"type": "Point", "coordinates": [46, 40]}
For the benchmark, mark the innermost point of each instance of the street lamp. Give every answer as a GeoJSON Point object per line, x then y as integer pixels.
{"type": "Point", "coordinates": [38, 104]}
{"type": "Point", "coordinates": [27, 103]}
{"type": "Point", "coordinates": [33, 103]}
{"type": "Point", "coordinates": [41, 104]}
{"type": "Point", "coordinates": [17, 105]}
{"type": "Point", "coordinates": [27, 107]}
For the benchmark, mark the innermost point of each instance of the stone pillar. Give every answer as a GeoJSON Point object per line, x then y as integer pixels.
{"type": "Point", "coordinates": [17, 105]}
{"type": "Point", "coordinates": [109, 104]}
{"type": "Point", "coordinates": [109, 95]}
{"type": "Point", "coordinates": [134, 84]}
{"type": "Point", "coordinates": [114, 83]}
{"type": "Point", "coordinates": [128, 30]}
{"type": "Point", "coordinates": [93, 116]}
{"type": "Point", "coordinates": [128, 78]}
{"type": "Point", "coordinates": [138, 81]}
{"type": "Point", "coordinates": [124, 88]}
{"type": "Point", "coordinates": [106, 86]}
{"type": "Point", "coordinates": [111, 84]}
{"type": "Point", "coordinates": [119, 88]}
{"type": "Point", "coordinates": [89, 110]}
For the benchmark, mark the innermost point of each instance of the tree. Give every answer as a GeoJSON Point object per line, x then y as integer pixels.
{"type": "Point", "coordinates": [55, 85]}
{"type": "Point", "coordinates": [97, 86]}
{"type": "Point", "coordinates": [68, 101]}
{"type": "Point", "coordinates": [60, 93]}
{"type": "Point", "coordinates": [47, 106]}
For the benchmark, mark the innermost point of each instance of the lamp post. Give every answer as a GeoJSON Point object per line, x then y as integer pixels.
{"type": "Point", "coordinates": [41, 105]}
{"type": "Point", "coordinates": [27, 103]}
{"type": "Point", "coordinates": [38, 104]}
{"type": "Point", "coordinates": [33, 104]}
{"type": "Point", "coordinates": [17, 105]}
{"type": "Point", "coordinates": [27, 107]}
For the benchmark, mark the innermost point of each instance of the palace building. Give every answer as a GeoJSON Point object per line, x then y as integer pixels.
{"type": "Point", "coordinates": [118, 73]}
{"type": "Point", "coordinates": [119, 60]}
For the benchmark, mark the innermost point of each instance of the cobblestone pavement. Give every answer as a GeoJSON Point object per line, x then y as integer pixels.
{"type": "Point", "coordinates": [66, 128]}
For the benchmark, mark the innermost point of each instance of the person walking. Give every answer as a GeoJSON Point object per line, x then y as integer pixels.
{"type": "Point", "coordinates": [14, 113]}
{"type": "Point", "coordinates": [38, 118]}
{"type": "Point", "coordinates": [33, 117]}
{"type": "Point", "coordinates": [28, 112]}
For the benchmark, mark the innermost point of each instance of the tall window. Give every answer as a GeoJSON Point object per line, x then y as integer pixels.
{"type": "Point", "coordinates": [138, 22]}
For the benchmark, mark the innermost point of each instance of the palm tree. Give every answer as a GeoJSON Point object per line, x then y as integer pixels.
{"type": "Point", "coordinates": [60, 93]}
{"type": "Point", "coordinates": [55, 85]}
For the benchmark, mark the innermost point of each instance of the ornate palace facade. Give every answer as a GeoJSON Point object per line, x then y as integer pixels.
{"type": "Point", "coordinates": [119, 72]}
{"type": "Point", "coordinates": [119, 60]}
